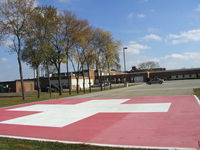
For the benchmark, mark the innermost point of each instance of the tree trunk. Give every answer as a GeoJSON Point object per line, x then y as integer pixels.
{"type": "Point", "coordinates": [77, 80]}
{"type": "Point", "coordinates": [101, 81]}
{"type": "Point", "coordinates": [20, 66]}
{"type": "Point", "coordinates": [34, 73]}
{"type": "Point", "coordinates": [104, 82]}
{"type": "Point", "coordinates": [49, 80]}
{"type": "Point", "coordinates": [59, 80]}
{"type": "Point", "coordinates": [98, 76]}
{"type": "Point", "coordinates": [38, 82]}
{"type": "Point", "coordinates": [109, 77]}
{"type": "Point", "coordinates": [21, 78]}
{"type": "Point", "coordinates": [83, 78]}
{"type": "Point", "coordinates": [68, 75]}
{"type": "Point", "coordinates": [90, 89]}
{"type": "Point", "coordinates": [110, 81]}
{"type": "Point", "coordinates": [77, 85]}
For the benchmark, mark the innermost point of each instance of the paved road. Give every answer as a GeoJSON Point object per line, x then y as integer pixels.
{"type": "Point", "coordinates": [168, 88]}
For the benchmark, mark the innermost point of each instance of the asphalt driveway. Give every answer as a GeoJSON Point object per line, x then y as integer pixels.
{"type": "Point", "coordinates": [168, 88]}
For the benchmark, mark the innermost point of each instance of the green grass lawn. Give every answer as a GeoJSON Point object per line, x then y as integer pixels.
{"type": "Point", "coordinates": [14, 144]}
{"type": "Point", "coordinates": [197, 92]}
{"type": "Point", "coordinates": [15, 100]}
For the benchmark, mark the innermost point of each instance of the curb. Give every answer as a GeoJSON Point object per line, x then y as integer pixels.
{"type": "Point", "coordinates": [97, 144]}
{"type": "Point", "coordinates": [198, 101]}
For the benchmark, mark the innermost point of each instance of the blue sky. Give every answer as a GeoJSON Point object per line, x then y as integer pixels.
{"type": "Point", "coordinates": [165, 31]}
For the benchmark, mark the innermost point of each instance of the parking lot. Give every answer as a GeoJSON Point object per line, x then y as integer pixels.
{"type": "Point", "coordinates": [168, 88]}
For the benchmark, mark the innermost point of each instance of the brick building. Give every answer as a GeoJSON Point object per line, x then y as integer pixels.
{"type": "Point", "coordinates": [144, 75]}
{"type": "Point", "coordinates": [116, 77]}
{"type": "Point", "coordinates": [15, 86]}
{"type": "Point", "coordinates": [73, 81]}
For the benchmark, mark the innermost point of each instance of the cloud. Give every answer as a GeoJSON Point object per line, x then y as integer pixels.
{"type": "Point", "coordinates": [181, 60]}
{"type": "Point", "coordinates": [36, 3]}
{"type": "Point", "coordinates": [8, 42]}
{"type": "Point", "coordinates": [197, 8]}
{"type": "Point", "coordinates": [175, 56]}
{"type": "Point", "coordinates": [152, 10]}
{"type": "Point", "coordinates": [193, 56]}
{"type": "Point", "coordinates": [152, 30]}
{"type": "Point", "coordinates": [152, 37]}
{"type": "Point", "coordinates": [136, 48]}
{"type": "Point", "coordinates": [185, 37]}
{"type": "Point", "coordinates": [64, 1]}
{"type": "Point", "coordinates": [130, 15]}
{"type": "Point", "coordinates": [172, 61]}
{"type": "Point", "coordinates": [3, 60]}
{"type": "Point", "coordinates": [144, 1]}
{"type": "Point", "coordinates": [141, 15]}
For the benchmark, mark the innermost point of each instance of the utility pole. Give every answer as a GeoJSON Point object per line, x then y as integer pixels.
{"type": "Point", "coordinates": [124, 65]}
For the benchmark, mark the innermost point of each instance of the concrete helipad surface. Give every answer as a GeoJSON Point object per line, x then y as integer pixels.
{"type": "Point", "coordinates": [146, 122]}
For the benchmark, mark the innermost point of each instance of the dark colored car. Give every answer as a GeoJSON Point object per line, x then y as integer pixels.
{"type": "Point", "coordinates": [155, 81]}
{"type": "Point", "coordinates": [95, 85]}
{"type": "Point", "coordinates": [99, 84]}
{"type": "Point", "coordinates": [54, 88]}
{"type": "Point", "coordinates": [4, 89]}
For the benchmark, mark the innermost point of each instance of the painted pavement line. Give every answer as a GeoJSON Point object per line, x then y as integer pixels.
{"type": "Point", "coordinates": [96, 144]}
{"type": "Point", "coordinates": [198, 101]}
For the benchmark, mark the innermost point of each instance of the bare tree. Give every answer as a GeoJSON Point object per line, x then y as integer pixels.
{"type": "Point", "coordinates": [148, 65]}
{"type": "Point", "coordinates": [69, 22]}
{"type": "Point", "coordinates": [89, 57]}
{"type": "Point", "coordinates": [49, 69]}
{"type": "Point", "coordinates": [75, 33]}
{"type": "Point", "coordinates": [106, 52]}
{"type": "Point", "coordinates": [75, 57]}
{"type": "Point", "coordinates": [83, 38]}
{"type": "Point", "coordinates": [112, 56]}
{"type": "Point", "coordinates": [98, 46]}
{"type": "Point", "coordinates": [57, 53]}
{"type": "Point", "coordinates": [37, 40]}
{"type": "Point", "coordinates": [14, 19]}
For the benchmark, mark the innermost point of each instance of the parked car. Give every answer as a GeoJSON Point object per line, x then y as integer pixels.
{"type": "Point", "coordinates": [54, 88]}
{"type": "Point", "coordinates": [155, 81]}
{"type": "Point", "coordinates": [99, 84]}
{"type": "Point", "coordinates": [4, 89]}
{"type": "Point", "coordinates": [95, 85]}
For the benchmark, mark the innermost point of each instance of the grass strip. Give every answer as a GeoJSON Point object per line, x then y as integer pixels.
{"type": "Point", "coordinates": [14, 144]}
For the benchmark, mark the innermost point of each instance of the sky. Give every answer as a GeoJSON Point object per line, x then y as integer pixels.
{"type": "Point", "coordinates": [164, 31]}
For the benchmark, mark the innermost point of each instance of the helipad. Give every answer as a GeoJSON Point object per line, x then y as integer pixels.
{"type": "Point", "coordinates": [146, 122]}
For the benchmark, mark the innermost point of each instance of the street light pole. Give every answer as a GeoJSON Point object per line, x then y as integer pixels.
{"type": "Point", "coordinates": [124, 65]}
{"type": "Point", "coordinates": [124, 58]}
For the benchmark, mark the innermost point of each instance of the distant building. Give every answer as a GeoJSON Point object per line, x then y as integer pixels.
{"type": "Point", "coordinates": [145, 75]}
{"type": "Point", "coordinates": [73, 78]}
{"type": "Point", "coordinates": [15, 86]}
{"type": "Point", "coordinates": [133, 76]}
{"type": "Point", "coordinates": [135, 69]}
